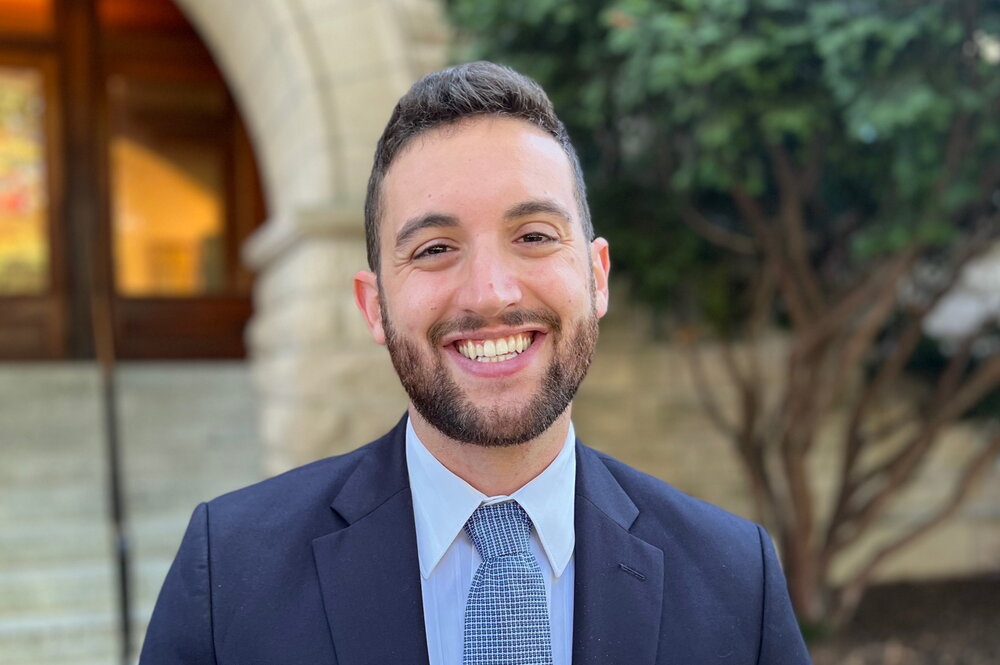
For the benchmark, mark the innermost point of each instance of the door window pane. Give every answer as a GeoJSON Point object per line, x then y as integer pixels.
{"type": "Point", "coordinates": [168, 185]}
{"type": "Point", "coordinates": [26, 17]}
{"type": "Point", "coordinates": [168, 222]}
{"type": "Point", "coordinates": [151, 15]}
{"type": "Point", "coordinates": [24, 242]}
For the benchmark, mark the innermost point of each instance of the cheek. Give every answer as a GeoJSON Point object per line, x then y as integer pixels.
{"type": "Point", "coordinates": [562, 287]}
{"type": "Point", "coordinates": [416, 307]}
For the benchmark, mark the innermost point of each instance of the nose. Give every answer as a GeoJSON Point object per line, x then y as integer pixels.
{"type": "Point", "coordinates": [489, 284]}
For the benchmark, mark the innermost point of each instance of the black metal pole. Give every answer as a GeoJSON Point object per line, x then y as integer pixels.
{"type": "Point", "coordinates": [104, 343]}
{"type": "Point", "coordinates": [86, 186]}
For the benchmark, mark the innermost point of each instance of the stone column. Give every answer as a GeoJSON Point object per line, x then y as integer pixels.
{"type": "Point", "coordinates": [324, 386]}
{"type": "Point", "coordinates": [316, 81]}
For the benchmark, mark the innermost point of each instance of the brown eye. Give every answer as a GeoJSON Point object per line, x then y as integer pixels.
{"type": "Point", "coordinates": [535, 237]}
{"type": "Point", "coordinates": [433, 250]}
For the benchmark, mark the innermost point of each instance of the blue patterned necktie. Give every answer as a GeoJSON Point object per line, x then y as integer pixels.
{"type": "Point", "coordinates": [506, 616]}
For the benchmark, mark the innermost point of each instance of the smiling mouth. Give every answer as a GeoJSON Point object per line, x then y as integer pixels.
{"type": "Point", "coordinates": [495, 350]}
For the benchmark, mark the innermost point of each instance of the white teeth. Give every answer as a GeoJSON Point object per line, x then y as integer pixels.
{"type": "Point", "coordinates": [495, 350]}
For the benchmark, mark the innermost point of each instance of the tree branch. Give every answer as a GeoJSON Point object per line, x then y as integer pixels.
{"type": "Point", "coordinates": [706, 395]}
{"type": "Point", "coordinates": [955, 151]}
{"type": "Point", "coordinates": [813, 170]}
{"type": "Point", "coordinates": [859, 341]}
{"type": "Point", "coordinates": [770, 247]}
{"type": "Point", "coordinates": [762, 302]}
{"type": "Point", "coordinates": [749, 448]}
{"type": "Point", "coordinates": [969, 478]}
{"type": "Point", "coordinates": [907, 343]}
{"type": "Point", "coordinates": [901, 468]}
{"type": "Point", "coordinates": [885, 430]}
{"type": "Point", "coordinates": [715, 234]}
{"type": "Point", "coordinates": [793, 225]}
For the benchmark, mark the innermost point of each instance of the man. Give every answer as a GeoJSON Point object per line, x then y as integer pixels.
{"type": "Point", "coordinates": [479, 530]}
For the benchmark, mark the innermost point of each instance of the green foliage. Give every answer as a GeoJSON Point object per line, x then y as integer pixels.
{"type": "Point", "coordinates": [831, 145]}
{"type": "Point", "coordinates": [671, 100]}
{"type": "Point", "coordinates": [673, 259]}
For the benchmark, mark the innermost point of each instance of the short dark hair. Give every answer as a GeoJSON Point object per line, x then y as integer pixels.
{"type": "Point", "coordinates": [448, 96]}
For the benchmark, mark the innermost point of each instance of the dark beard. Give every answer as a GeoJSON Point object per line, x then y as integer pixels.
{"type": "Point", "coordinates": [439, 399]}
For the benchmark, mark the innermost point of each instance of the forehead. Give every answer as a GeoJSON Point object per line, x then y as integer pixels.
{"type": "Point", "coordinates": [480, 166]}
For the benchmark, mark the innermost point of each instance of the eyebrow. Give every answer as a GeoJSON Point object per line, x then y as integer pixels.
{"type": "Point", "coordinates": [414, 225]}
{"type": "Point", "coordinates": [535, 207]}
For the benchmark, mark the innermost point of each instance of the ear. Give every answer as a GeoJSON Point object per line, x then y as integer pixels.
{"type": "Point", "coordinates": [600, 261]}
{"type": "Point", "coordinates": [367, 297]}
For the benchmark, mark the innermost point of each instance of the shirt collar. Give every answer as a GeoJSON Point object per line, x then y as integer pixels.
{"type": "Point", "coordinates": [443, 503]}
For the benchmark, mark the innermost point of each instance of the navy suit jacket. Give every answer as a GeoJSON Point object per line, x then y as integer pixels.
{"type": "Point", "coordinates": [319, 566]}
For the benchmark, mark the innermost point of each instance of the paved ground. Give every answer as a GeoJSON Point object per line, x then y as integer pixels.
{"type": "Point", "coordinates": [951, 622]}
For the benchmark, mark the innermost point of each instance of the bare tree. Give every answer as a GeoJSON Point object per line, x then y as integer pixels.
{"type": "Point", "coordinates": [848, 349]}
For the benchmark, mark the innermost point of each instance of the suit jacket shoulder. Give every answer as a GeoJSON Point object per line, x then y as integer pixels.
{"type": "Point", "coordinates": [706, 583]}
{"type": "Point", "coordinates": [247, 584]}
{"type": "Point", "coordinates": [305, 495]}
{"type": "Point", "coordinates": [665, 511]}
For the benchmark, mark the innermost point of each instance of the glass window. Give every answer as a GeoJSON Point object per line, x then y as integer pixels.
{"type": "Point", "coordinates": [147, 15]}
{"type": "Point", "coordinates": [168, 183]}
{"type": "Point", "coordinates": [167, 218]}
{"type": "Point", "coordinates": [24, 241]}
{"type": "Point", "coordinates": [27, 17]}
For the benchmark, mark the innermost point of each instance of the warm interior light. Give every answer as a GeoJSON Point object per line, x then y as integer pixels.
{"type": "Point", "coordinates": [33, 17]}
{"type": "Point", "coordinates": [144, 14]}
{"type": "Point", "coordinates": [167, 218]}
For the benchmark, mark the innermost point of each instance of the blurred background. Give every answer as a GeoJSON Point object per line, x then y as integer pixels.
{"type": "Point", "coordinates": [803, 206]}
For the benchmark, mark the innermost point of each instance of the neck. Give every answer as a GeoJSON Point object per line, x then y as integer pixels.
{"type": "Point", "coordinates": [494, 471]}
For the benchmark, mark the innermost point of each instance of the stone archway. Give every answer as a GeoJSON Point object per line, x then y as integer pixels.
{"type": "Point", "coordinates": [316, 81]}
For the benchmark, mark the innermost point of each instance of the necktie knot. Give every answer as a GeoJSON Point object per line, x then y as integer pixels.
{"type": "Point", "coordinates": [499, 529]}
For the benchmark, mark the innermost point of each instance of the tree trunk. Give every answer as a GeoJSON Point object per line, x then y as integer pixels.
{"type": "Point", "coordinates": [805, 581]}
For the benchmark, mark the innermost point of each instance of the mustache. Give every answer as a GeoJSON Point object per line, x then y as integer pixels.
{"type": "Point", "coordinates": [470, 323]}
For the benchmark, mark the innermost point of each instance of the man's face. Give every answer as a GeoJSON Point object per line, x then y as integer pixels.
{"type": "Point", "coordinates": [488, 293]}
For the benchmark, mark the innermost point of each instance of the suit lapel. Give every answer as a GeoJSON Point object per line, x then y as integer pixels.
{"type": "Point", "coordinates": [370, 581]}
{"type": "Point", "coordinates": [368, 571]}
{"type": "Point", "coordinates": [619, 577]}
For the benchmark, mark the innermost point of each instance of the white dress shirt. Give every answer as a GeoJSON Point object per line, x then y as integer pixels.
{"type": "Point", "coordinates": [443, 503]}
